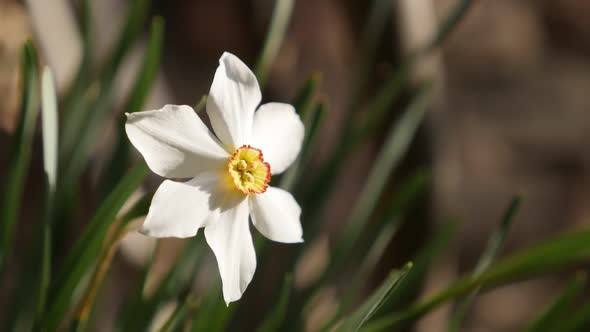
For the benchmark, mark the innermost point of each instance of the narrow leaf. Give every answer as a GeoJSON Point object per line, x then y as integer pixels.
{"type": "Point", "coordinates": [394, 149]}
{"type": "Point", "coordinates": [79, 135]}
{"type": "Point", "coordinates": [273, 320]}
{"type": "Point", "coordinates": [375, 301]}
{"type": "Point", "coordinates": [549, 256]}
{"type": "Point", "coordinates": [377, 241]}
{"type": "Point", "coordinates": [487, 258]}
{"type": "Point", "coordinates": [276, 33]}
{"type": "Point", "coordinates": [179, 279]}
{"type": "Point", "coordinates": [552, 318]}
{"type": "Point", "coordinates": [448, 25]}
{"type": "Point", "coordinates": [119, 158]}
{"type": "Point", "coordinates": [179, 314]}
{"type": "Point", "coordinates": [85, 252]}
{"type": "Point", "coordinates": [21, 151]}
{"type": "Point", "coordinates": [579, 321]}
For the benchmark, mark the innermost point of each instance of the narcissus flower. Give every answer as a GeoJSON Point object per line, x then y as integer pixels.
{"type": "Point", "coordinates": [229, 170]}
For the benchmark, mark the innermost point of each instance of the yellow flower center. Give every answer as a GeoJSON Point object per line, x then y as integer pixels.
{"type": "Point", "coordinates": [249, 172]}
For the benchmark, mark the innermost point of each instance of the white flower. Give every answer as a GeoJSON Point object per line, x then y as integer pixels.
{"type": "Point", "coordinates": [229, 172]}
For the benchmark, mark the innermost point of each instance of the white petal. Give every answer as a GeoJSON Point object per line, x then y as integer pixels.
{"type": "Point", "coordinates": [275, 213]}
{"type": "Point", "coordinates": [228, 235]}
{"type": "Point", "coordinates": [174, 142]}
{"type": "Point", "coordinates": [179, 209]}
{"type": "Point", "coordinates": [233, 97]}
{"type": "Point", "coordinates": [278, 132]}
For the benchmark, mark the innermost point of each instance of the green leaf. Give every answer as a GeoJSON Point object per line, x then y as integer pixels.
{"type": "Point", "coordinates": [579, 321]}
{"type": "Point", "coordinates": [379, 14]}
{"type": "Point", "coordinates": [487, 258]}
{"type": "Point", "coordinates": [304, 99]}
{"type": "Point", "coordinates": [85, 252]}
{"type": "Point", "coordinates": [50, 133]}
{"type": "Point", "coordinates": [368, 309]}
{"type": "Point", "coordinates": [376, 242]}
{"type": "Point", "coordinates": [213, 314]}
{"type": "Point", "coordinates": [553, 317]}
{"type": "Point", "coordinates": [79, 135]}
{"type": "Point", "coordinates": [350, 135]}
{"type": "Point", "coordinates": [448, 25]}
{"type": "Point", "coordinates": [276, 33]}
{"type": "Point", "coordinates": [142, 309]}
{"type": "Point", "coordinates": [151, 63]}
{"type": "Point", "coordinates": [119, 159]}
{"type": "Point", "coordinates": [273, 320]}
{"type": "Point", "coordinates": [20, 156]}
{"type": "Point", "coordinates": [179, 314]}
{"type": "Point", "coordinates": [422, 263]}
{"type": "Point", "coordinates": [393, 87]}
{"type": "Point", "coordinates": [394, 149]}
{"type": "Point", "coordinates": [549, 256]}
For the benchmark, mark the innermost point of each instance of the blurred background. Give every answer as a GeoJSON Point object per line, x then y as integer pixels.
{"type": "Point", "coordinates": [509, 115]}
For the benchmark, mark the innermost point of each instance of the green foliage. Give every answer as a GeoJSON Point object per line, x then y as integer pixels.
{"type": "Point", "coordinates": [277, 314]}
{"type": "Point", "coordinates": [551, 319]}
{"type": "Point", "coordinates": [276, 33]}
{"type": "Point", "coordinates": [489, 255]}
{"type": "Point", "coordinates": [86, 250]}
{"type": "Point", "coordinates": [21, 151]}
{"type": "Point", "coordinates": [368, 309]}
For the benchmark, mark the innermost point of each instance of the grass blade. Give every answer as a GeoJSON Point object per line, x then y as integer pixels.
{"type": "Point", "coordinates": [119, 159]}
{"type": "Point", "coordinates": [78, 135]}
{"type": "Point", "coordinates": [117, 231]}
{"type": "Point", "coordinates": [368, 309]}
{"type": "Point", "coordinates": [553, 254]}
{"type": "Point", "coordinates": [179, 314]}
{"type": "Point", "coordinates": [376, 242]}
{"type": "Point", "coordinates": [278, 26]}
{"type": "Point", "coordinates": [487, 258]}
{"type": "Point", "coordinates": [139, 313]}
{"type": "Point", "coordinates": [85, 252]}
{"type": "Point", "coordinates": [306, 94]}
{"type": "Point", "coordinates": [273, 320]}
{"type": "Point", "coordinates": [579, 321]}
{"type": "Point", "coordinates": [553, 317]}
{"type": "Point", "coordinates": [394, 149]}
{"type": "Point", "coordinates": [21, 151]}
{"type": "Point", "coordinates": [448, 25]}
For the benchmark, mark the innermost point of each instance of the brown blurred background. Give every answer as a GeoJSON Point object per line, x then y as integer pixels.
{"type": "Point", "coordinates": [511, 113]}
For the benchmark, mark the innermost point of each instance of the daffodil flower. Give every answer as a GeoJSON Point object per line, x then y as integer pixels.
{"type": "Point", "coordinates": [229, 170]}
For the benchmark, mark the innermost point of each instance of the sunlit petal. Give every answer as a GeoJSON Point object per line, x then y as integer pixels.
{"type": "Point", "coordinates": [233, 97]}
{"type": "Point", "coordinates": [179, 209]}
{"type": "Point", "coordinates": [174, 142]}
{"type": "Point", "coordinates": [228, 235]}
{"type": "Point", "coordinates": [275, 214]}
{"type": "Point", "coordinates": [278, 132]}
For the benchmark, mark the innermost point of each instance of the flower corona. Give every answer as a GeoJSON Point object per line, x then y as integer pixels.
{"type": "Point", "coordinates": [248, 170]}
